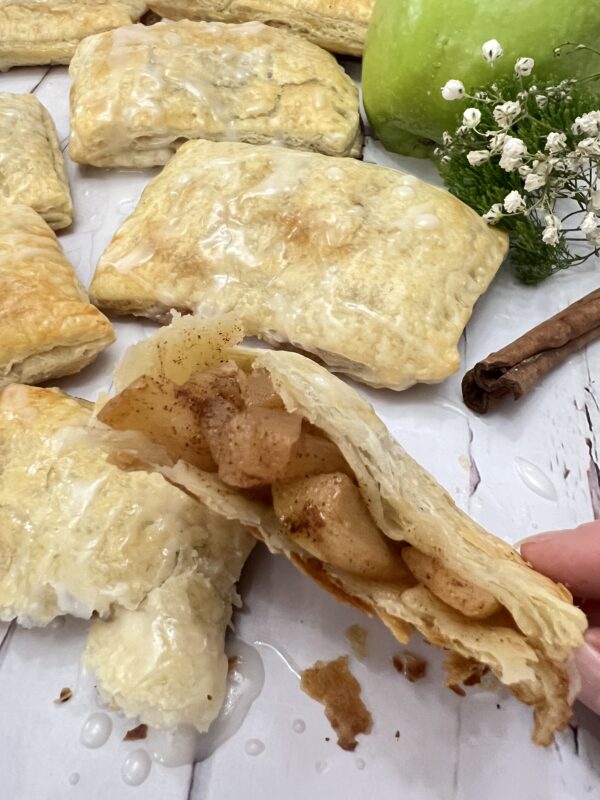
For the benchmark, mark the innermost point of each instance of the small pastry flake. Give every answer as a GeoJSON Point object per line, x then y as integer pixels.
{"type": "Point", "coordinates": [33, 170]}
{"type": "Point", "coordinates": [371, 270]}
{"type": "Point", "coordinates": [340, 26]}
{"type": "Point", "coordinates": [48, 31]}
{"type": "Point", "coordinates": [140, 91]}
{"type": "Point", "coordinates": [48, 328]}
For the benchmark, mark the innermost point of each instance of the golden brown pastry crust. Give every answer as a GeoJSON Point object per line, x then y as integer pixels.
{"type": "Point", "coordinates": [140, 91]}
{"type": "Point", "coordinates": [78, 534]}
{"type": "Point", "coordinates": [48, 31]}
{"type": "Point", "coordinates": [527, 645]}
{"type": "Point", "coordinates": [32, 169]}
{"type": "Point", "coordinates": [339, 26]}
{"type": "Point", "coordinates": [370, 269]}
{"type": "Point", "coordinates": [48, 328]}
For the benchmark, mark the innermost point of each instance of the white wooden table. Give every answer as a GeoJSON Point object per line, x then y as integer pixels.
{"type": "Point", "coordinates": [526, 467]}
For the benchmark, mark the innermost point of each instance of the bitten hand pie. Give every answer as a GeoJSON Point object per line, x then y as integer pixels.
{"type": "Point", "coordinates": [296, 455]}
{"type": "Point", "coordinates": [48, 31]}
{"type": "Point", "coordinates": [48, 328]}
{"type": "Point", "coordinates": [340, 26]}
{"type": "Point", "coordinates": [32, 170]}
{"type": "Point", "coordinates": [140, 91]}
{"type": "Point", "coordinates": [370, 269]}
{"type": "Point", "coordinates": [165, 662]}
{"type": "Point", "coordinates": [85, 528]}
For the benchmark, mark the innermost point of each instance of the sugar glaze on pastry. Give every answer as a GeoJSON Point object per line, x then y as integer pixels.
{"type": "Point", "coordinates": [368, 268]}
{"type": "Point", "coordinates": [140, 91]}
{"type": "Point", "coordinates": [81, 533]}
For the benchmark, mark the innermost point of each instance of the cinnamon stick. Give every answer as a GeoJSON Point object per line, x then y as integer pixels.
{"type": "Point", "coordinates": [519, 366]}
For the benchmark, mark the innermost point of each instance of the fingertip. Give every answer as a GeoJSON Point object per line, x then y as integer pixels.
{"type": "Point", "coordinates": [587, 663]}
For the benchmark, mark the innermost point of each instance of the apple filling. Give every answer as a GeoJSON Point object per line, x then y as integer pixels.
{"type": "Point", "coordinates": [235, 424]}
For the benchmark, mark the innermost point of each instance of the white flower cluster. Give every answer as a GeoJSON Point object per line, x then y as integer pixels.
{"type": "Point", "coordinates": [551, 173]}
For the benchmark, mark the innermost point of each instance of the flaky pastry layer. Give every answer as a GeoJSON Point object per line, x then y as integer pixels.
{"type": "Point", "coordinates": [33, 171]}
{"type": "Point", "coordinates": [48, 328]}
{"type": "Point", "coordinates": [79, 534]}
{"type": "Point", "coordinates": [48, 31]}
{"type": "Point", "coordinates": [340, 26]}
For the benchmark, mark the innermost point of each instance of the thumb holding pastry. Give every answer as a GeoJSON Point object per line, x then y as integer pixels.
{"type": "Point", "coordinates": [572, 557]}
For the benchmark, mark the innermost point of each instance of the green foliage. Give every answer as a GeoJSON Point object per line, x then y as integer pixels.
{"type": "Point", "coordinates": [486, 185]}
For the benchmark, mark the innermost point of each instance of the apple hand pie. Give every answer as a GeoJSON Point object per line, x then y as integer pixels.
{"type": "Point", "coordinates": [297, 456]}
{"type": "Point", "coordinates": [33, 172]}
{"type": "Point", "coordinates": [371, 270]}
{"type": "Point", "coordinates": [191, 611]}
{"type": "Point", "coordinates": [340, 27]}
{"type": "Point", "coordinates": [140, 91]}
{"type": "Point", "coordinates": [48, 31]}
{"type": "Point", "coordinates": [85, 527]}
{"type": "Point", "coordinates": [48, 328]}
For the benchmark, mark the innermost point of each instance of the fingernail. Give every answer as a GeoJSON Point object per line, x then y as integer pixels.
{"type": "Point", "coordinates": [539, 538]}
{"type": "Point", "coordinates": [592, 637]}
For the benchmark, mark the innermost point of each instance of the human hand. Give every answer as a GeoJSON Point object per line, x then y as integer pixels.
{"type": "Point", "coordinates": [572, 557]}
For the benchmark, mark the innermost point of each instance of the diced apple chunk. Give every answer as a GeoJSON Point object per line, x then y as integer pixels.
{"type": "Point", "coordinates": [327, 517]}
{"type": "Point", "coordinates": [163, 411]}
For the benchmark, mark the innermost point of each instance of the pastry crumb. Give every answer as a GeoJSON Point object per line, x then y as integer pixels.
{"type": "Point", "coordinates": [137, 733]}
{"type": "Point", "coordinates": [413, 667]}
{"type": "Point", "coordinates": [397, 735]}
{"type": "Point", "coordinates": [332, 684]}
{"type": "Point", "coordinates": [65, 694]}
{"type": "Point", "coordinates": [454, 687]}
{"type": "Point", "coordinates": [232, 663]}
{"type": "Point", "coordinates": [357, 637]}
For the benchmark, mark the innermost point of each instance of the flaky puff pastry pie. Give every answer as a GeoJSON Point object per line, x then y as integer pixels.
{"type": "Point", "coordinates": [48, 31]}
{"type": "Point", "coordinates": [139, 92]}
{"type": "Point", "coordinates": [339, 26]}
{"type": "Point", "coordinates": [48, 328]}
{"type": "Point", "coordinates": [368, 268]}
{"type": "Point", "coordinates": [274, 440]}
{"type": "Point", "coordinates": [32, 169]}
{"type": "Point", "coordinates": [85, 527]}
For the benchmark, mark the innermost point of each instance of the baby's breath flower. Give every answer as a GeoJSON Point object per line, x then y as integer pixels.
{"type": "Point", "coordinates": [471, 117]}
{"type": "Point", "coordinates": [514, 203]}
{"type": "Point", "coordinates": [496, 140]}
{"type": "Point", "coordinates": [533, 147]}
{"type": "Point", "coordinates": [513, 151]}
{"type": "Point", "coordinates": [494, 214]}
{"type": "Point", "coordinates": [534, 181]}
{"type": "Point", "coordinates": [590, 225]}
{"type": "Point", "coordinates": [555, 142]}
{"type": "Point", "coordinates": [550, 236]}
{"type": "Point", "coordinates": [524, 67]}
{"type": "Point", "coordinates": [587, 123]}
{"type": "Point", "coordinates": [478, 157]}
{"type": "Point", "coordinates": [446, 139]}
{"type": "Point", "coordinates": [453, 90]}
{"type": "Point", "coordinates": [491, 50]}
{"type": "Point", "coordinates": [505, 113]}
{"type": "Point", "coordinates": [573, 161]}
{"type": "Point", "coordinates": [589, 147]}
